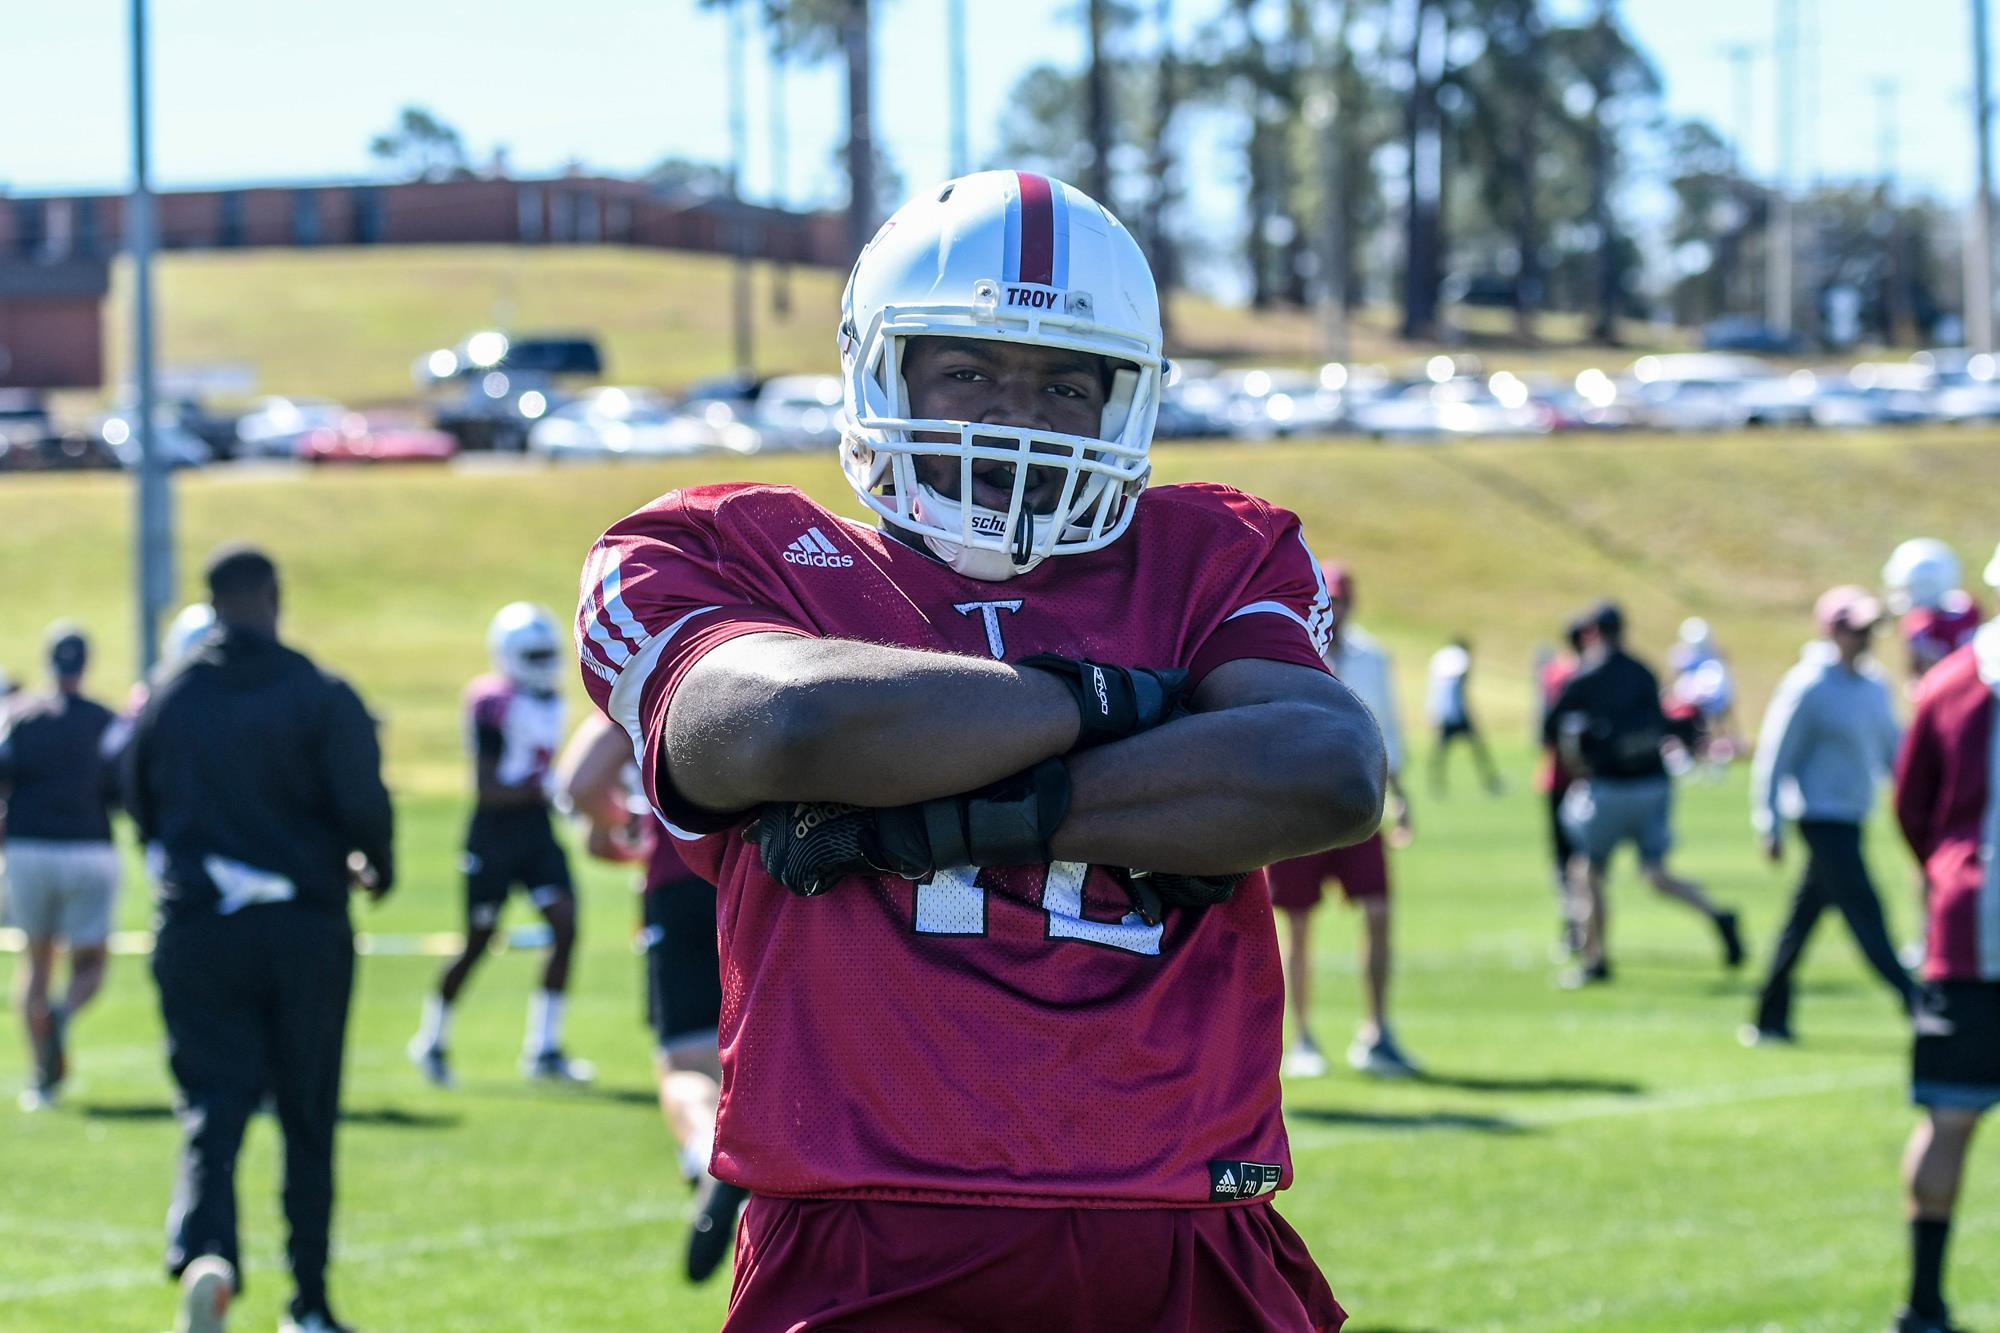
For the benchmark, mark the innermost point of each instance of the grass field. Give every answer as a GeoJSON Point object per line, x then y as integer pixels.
{"type": "Point", "coordinates": [348, 323]}
{"type": "Point", "coordinates": [1607, 1160]}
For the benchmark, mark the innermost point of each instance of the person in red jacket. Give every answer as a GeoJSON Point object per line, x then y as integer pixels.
{"type": "Point", "coordinates": [1948, 803]}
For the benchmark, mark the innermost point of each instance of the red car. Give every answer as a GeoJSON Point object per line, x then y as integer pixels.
{"type": "Point", "coordinates": [359, 439]}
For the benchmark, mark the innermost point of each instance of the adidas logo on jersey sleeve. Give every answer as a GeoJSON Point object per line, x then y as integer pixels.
{"type": "Point", "coordinates": [813, 548]}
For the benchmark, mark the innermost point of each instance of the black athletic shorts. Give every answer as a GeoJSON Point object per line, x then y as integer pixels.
{"type": "Point", "coordinates": [507, 849]}
{"type": "Point", "coordinates": [1957, 1066]}
{"type": "Point", "coordinates": [683, 980]}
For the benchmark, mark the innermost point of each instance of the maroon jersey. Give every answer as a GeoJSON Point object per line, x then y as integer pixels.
{"type": "Point", "coordinates": [1945, 802]}
{"type": "Point", "coordinates": [1933, 633]}
{"type": "Point", "coordinates": [1013, 1036]}
{"type": "Point", "coordinates": [664, 864]}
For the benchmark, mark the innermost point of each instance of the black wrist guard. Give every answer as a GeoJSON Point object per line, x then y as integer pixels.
{"type": "Point", "coordinates": [1113, 702]}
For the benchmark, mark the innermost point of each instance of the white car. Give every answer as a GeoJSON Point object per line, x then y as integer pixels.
{"type": "Point", "coordinates": [180, 446]}
{"type": "Point", "coordinates": [1263, 404]}
{"type": "Point", "coordinates": [274, 427]}
{"type": "Point", "coordinates": [614, 422]}
{"type": "Point", "coordinates": [798, 411]}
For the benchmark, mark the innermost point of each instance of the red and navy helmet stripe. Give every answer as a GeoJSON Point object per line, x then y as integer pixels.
{"type": "Point", "coordinates": [1037, 233]}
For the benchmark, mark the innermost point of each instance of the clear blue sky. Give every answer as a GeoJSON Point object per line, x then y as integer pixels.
{"type": "Point", "coordinates": [251, 90]}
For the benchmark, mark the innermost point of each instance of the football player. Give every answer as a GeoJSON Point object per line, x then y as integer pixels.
{"type": "Point", "coordinates": [1948, 805]}
{"type": "Point", "coordinates": [1362, 871]}
{"type": "Point", "coordinates": [1938, 616]}
{"type": "Point", "coordinates": [977, 788]}
{"type": "Point", "coordinates": [514, 721]}
{"type": "Point", "coordinates": [600, 785]}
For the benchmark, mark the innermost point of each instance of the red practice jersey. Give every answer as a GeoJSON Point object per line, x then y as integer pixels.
{"type": "Point", "coordinates": [1933, 633]}
{"type": "Point", "coordinates": [1944, 802]}
{"type": "Point", "coordinates": [1014, 1036]}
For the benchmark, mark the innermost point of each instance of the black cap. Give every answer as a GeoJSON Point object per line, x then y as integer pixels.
{"type": "Point", "coordinates": [69, 651]}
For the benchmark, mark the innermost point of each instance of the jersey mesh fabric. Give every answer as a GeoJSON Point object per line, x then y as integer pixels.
{"type": "Point", "coordinates": [1021, 1038]}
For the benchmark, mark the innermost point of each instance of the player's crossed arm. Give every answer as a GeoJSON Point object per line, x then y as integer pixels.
{"type": "Point", "coordinates": [955, 760]}
{"type": "Point", "coordinates": [1278, 760]}
{"type": "Point", "coordinates": [777, 717]}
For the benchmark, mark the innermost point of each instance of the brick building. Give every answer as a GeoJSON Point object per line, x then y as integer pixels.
{"type": "Point", "coordinates": [50, 245]}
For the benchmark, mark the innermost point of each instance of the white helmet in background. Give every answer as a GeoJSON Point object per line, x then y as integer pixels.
{"type": "Point", "coordinates": [188, 625]}
{"type": "Point", "coordinates": [525, 646]}
{"type": "Point", "coordinates": [1920, 573]}
{"type": "Point", "coordinates": [1015, 257]}
{"type": "Point", "coordinates": [1992, 574]}
{"type": "Point", "coordinates": [1696, 633]}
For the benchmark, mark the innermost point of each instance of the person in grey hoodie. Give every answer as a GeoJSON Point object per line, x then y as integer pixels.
{"type": "Point", "coordinates": [1828, 741]}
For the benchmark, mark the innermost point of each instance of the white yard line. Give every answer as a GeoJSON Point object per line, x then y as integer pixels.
{"type": "Point", "coordinates": [456, 1240]}
{"type": "Point", "coordinates": [1304, 1130]}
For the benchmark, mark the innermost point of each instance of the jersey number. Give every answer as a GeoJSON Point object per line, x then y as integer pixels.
{"type": "Point", "coordinates": [953, 903]}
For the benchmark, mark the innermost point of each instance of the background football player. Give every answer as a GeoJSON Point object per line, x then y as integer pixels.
{"type": "Point", "coordinates": [1010, 753]}
{"type": "Point", "coordinates": [1922, 579]}
{"type": "Point", "coordinates": [600, 785]}
{"type": "Point", "coordinates": [514, 723]}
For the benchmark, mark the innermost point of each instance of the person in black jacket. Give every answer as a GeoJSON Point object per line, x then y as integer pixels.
{"type": "Point", "coordinates": [255, 781]}
{"type": "Point", "coordinates": [59, 785]}
{"type": "Point", "coordinates": [1607, 727]}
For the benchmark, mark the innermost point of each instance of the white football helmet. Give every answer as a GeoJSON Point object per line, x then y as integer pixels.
{"type": "Point", "coordinates": [1992, 571]}
{"type": "Point", "coordinates": [192, 621]}
{"type": "Point", "coordinates": [1015, 257]}
{"type": "Point", "coordinates": [525, 646]}
{"type": "Point", "coordinates": [1920, 573]}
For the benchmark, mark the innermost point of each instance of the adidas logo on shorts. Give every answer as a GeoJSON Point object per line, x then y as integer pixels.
{"type": "Point", "coordinates": [814, 549]}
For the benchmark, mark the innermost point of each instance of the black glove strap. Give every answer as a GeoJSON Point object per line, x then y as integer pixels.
{"type": "Point", "coordinates": [944, 826]}
{"type": "Point", "coordinates": [1011, 822]}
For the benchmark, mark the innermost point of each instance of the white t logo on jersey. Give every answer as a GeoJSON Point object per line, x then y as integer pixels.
{"type": "Point", "coordinates": [990, 613]}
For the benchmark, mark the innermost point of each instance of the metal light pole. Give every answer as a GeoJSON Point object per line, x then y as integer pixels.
{"type": "Point", "coordinates": [1778, 265]}
{"type": "Point", "coordinates": [961, 150]}
{"type": "Point", "coordinates": [739, 154]}
{"type": "Point", "coordinates": [1979, 255]}
{"type": "Point", "coordinates": [154, 548]}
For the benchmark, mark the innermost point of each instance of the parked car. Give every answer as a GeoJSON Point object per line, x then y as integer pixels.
{"type": "Point", "coordinates": [491, 388]}
{"type": "Point", "coordinates": [798, 412]}
{"type": "Point", "coordinates": [1874, 394]}
{"type": "Point", "coordinates": [360, 438]}
{"type": "Point", "coordinates": [1455, 407]}
{"type": "Point", "coordinates": [180, 446]}
{"type": "Point", "coordinates": [1276, 403]}
{"type": "Point", "coordinates": [614, 422]}
{"type": "Point", "coordinates": [275, 426]}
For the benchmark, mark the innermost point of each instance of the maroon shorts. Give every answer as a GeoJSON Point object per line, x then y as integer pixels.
{"type": "Point", "coordinates": [865, 1264]}
{"type": "Point", "coordinates": [1363, 872]}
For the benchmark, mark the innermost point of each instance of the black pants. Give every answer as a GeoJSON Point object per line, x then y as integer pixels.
{"type": "Point", "coordinates": [255, 1004]}
{"type": "Point", "coordinates": [1836, 876]}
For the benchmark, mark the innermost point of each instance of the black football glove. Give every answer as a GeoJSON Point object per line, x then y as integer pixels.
{"type": "Point", "coordinates": [809, 845]}
{"type": "Point", "coordinates": [1152, 893]}
{"type": "Point", "coordinates": [1115, 702]}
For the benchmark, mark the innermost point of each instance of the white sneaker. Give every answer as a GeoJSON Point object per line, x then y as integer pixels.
{"type": "Point", "coordinates": [1304, 1060]}
{"type": "Point", "coordinates": [552, 1066]}
{"type": "Point", "coordinates": [1381, 1058]}
{"type": "Point", "coordinates": [206, 1287]}
{"type": "Point", "coordinates": [312, 1323]}
{"type": "Point", "coordinates": [431, 1061]}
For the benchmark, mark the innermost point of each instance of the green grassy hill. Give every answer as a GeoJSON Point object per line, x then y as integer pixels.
{"type": "Point", "coordinates": [393, 574]}
{"type": "Point", "coordinates": [1610, 1160]}
{"type": "Point", "coordinates": [349, 323]}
